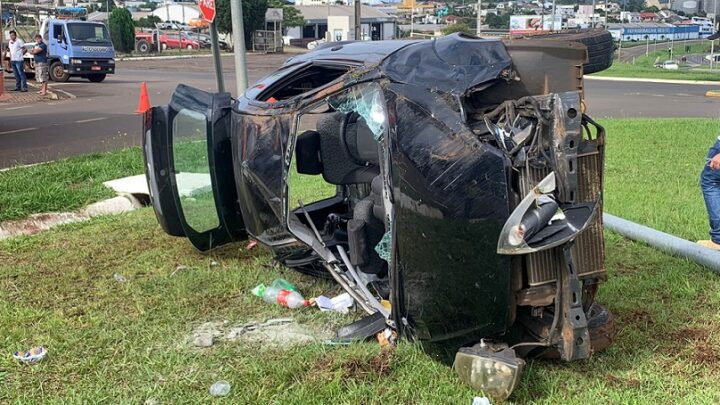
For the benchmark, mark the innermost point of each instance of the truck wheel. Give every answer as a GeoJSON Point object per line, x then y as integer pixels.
{"type": "Point", "coordinates": [57, 74]}
{"type": "Point", "coordinates": [163, 46]}
{"type": "Point", "coordinates": [142, 46]}
{"type": "Point", "coordinates": [599, 43]}
{"type": "Point", "coordinates": [97, 78]}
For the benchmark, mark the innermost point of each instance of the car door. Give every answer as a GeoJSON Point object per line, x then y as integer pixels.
{"type": "Point", "coordinates": [189, 168]}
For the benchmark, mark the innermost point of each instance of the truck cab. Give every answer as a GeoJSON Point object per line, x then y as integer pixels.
{"type": "Point", "coordinates": [79, 48]}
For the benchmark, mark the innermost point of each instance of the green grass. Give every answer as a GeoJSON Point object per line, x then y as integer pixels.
{"type": "Point", "coordinates": [126, 342]}
{"type": "Point", "coordinates": [64, 185]}
{"type": "Point", "coordinates": [652, 169]}
{"type": "Point", "coordinates": [644, 66]}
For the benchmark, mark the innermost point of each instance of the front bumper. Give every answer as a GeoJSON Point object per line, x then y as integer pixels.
{"type": "Point", "coordinates": [90, 67]}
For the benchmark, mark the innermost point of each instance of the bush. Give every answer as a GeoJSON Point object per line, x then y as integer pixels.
{"type": "Point", "coordinates": [148, 22]}
{"type": "Point", "coordinates": [122, 30]}
{"type": "Point", "coordinates": [458, 27]}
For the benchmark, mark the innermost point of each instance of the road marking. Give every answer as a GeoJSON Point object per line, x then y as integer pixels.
{"type": "Point", "coordinates": [17, 130]}
{"type": "Point", "coordinates": [90, 120]}
{"type": "Point", "coordinates": [17, 108]}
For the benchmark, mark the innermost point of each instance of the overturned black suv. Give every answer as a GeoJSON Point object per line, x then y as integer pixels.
{"type": "Point", "coordinates": [458, 178]}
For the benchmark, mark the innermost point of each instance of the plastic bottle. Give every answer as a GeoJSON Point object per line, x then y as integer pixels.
{"type": "Point", "coordinates": [220, 388]}
{"type": "Point", "coordinates": [286, 298]}
{"type": "Point", "coordinates": [283, 284]}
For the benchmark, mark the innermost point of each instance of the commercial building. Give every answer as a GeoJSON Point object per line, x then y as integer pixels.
{"type": "Point", "coordinates": [376, 25]}
{"type": "Point", "coordinates": [177, 12]}
{"type": "Point", "coordinates": [653, 31]}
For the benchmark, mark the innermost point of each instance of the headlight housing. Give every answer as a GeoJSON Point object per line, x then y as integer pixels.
{"type": "Point", "coordinates": [495, 370]}
{"type": "Point", "coordinates": [111, 61]}
{"type": "Point", "coordinates": [75, 61]}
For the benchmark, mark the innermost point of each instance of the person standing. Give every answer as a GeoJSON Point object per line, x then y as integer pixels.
{"type": "Point", "coordinates": [710, 185]}
{"type": "Point", "coordinates": [42, 71]}
{"type": "Point", "coordinates": [17, 50]}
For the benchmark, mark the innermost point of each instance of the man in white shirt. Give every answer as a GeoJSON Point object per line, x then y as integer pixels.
{"type": "Point", "coordinates": [17, 50]}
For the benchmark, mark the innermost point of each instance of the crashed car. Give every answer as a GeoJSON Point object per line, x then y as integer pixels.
{"type": "Point", "coordinates": [459, 179]}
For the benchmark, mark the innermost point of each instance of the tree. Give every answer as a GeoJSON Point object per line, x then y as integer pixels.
{"type": "Point", "coordinates": [253, 17]}
{"type": "Point", "coordinates": [495, 21]}
{"type": "Point", "coordinates": [652, 9]}
{"type": "Point", "coordinates": [291, 16]}
{"type": "Point", "coordinates": [457, 27]}
{"type": "Point", "coordinates": [148, 22]}
{"type": "Point", "coordinates": [122, 30]}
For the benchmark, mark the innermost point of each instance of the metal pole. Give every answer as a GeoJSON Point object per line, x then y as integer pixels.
{"type": "Point", "coordinates": [412, 17]}
{"type": "Point", "coordinates": [712, 53]}
{"type": "Point", "coordinates": [216, 58]}
{"type": "Point", "coordinates": [358, 26]}
{"type": "Point", "coordinates": [327, 30]}
{"type": "Point", "coordinates": [478, 30]}
{"type": "Point", "coordinates": [553, 17]}
{"type": "Point", "coordinates": [2, 69]}
{"type": "Point", "coordinates": [239, 45]}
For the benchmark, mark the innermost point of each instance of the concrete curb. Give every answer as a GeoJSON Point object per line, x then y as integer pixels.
{"type": "Point", "coordinates": [712, 93]}
{"type": "Point", "coordinates": [647, 80]}
{"type": "Point", "coordinates": [138, 58]}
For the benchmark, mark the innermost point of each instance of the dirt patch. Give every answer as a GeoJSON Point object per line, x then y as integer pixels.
{"type": "Point", "coordinates": [705, 353]}
{"type": "Point", "coordinates": [622, 382]}
{"type": "Point", "coordinates": [280, 332]}
{"type": "Point", "coordinates": [328, 367]}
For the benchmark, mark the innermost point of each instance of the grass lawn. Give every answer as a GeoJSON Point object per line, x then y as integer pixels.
{"type": "Point", "coordinates": [64, 185]}
{"type": "Point", "coordinates": [643, 66]}
{"type": "Point", "coordinates": [127, 342]}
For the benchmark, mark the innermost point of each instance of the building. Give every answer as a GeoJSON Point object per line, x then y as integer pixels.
{"type": "Point", "coordinates": [177, 12]}
{"type": "Point", "coordinates": [629, 17]}
{"type": "Point", "coordinates": [376, 25]}
{"type": "Point", "coordinates": [648, 17]}
{"type": "Point", "coordinates": [686, 6]}
{"type": "Point", "coordinates": [653, 31]}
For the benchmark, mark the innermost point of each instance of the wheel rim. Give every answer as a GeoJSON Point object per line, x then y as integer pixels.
{"type": "Point", "coordinates": [58, 71]}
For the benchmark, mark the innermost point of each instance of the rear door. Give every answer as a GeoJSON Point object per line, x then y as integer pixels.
{"type": "Point", "coordinates": [188, 165]}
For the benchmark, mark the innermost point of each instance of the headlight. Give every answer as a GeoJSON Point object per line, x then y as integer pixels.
{"type": "Point", "coordinates": [111, 61]}
{"type": "Point", "coordinates": [495, 373]}
{"type": "Point", "coordinates": [75, 61]}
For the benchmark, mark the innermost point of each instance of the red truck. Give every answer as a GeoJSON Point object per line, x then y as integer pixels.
{"type": "Point", "coordinates": [144, 41]}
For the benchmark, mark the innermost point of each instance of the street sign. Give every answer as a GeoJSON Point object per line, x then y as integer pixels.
{"type": "Point", "coordinates": [207, 8]}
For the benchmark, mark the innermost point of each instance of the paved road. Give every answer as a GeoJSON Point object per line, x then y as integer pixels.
{"type": "Point", "coordinates": [102, 116]}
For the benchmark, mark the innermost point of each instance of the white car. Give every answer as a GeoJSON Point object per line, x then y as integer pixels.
{"type": "Point", "coordinates": [312, 45]}
{"type": "Point", "coordinates": [670, 65]}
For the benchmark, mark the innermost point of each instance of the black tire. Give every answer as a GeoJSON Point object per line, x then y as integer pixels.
{"type": "Point", "coordinates": [142, 46]}
{"type": "Point", "coordinates": [97, 78]}
{"type": "Point", "coordinates": [598, 41]}
{"type": "Point", "coordinates": [57, 74]}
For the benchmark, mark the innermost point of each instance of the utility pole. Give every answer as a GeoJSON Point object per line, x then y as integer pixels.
{"type": "Point", "coordinates": [327, 30]}
{"type": "Point", "coordinates": [412, 18]}
{"type": "Point", "coordinates": [553, 17]}
{"type": "Point", "coordinates": [358, 26]}
{"type": "Point", "coordinates": [238, 36]}
{"type": "Point", "coordinates": [592, 19]}
{"type": "Point", "coordinates": [478, 30]}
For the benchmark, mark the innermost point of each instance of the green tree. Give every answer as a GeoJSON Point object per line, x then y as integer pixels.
{"type": "Point", "coordinates": [253, 17]}
{"type": "Point", "coordinates": [495, 21]}
{"type": "Point", "coordinates": [148, 22]}
{"type": "Point", "coordinates": [457, 27]}
{"type": "Point", "coordinates": [122, 30]}
{"type": "Point", "coordinates": [291, 16]}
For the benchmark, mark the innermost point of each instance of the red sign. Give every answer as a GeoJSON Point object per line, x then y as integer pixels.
{"type": "Point", "coordinates": [207, 8]}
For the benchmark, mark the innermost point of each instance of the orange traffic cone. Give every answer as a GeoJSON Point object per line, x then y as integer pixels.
{"type": "Point", "coordinates": [144, 103]}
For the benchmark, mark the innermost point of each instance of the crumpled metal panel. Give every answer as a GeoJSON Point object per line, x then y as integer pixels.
{"type": "Point", "coordinates": [451, 201]}
{"type": "Point", "coordinates": [452, 64]}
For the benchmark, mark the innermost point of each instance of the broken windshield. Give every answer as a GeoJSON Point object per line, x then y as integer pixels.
{"type": "Point", "coordinates": [367, 101]}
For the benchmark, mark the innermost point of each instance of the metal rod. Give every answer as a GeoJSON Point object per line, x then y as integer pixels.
{"type": "Point", "coordinates": [238, 35]}
{"type": "Point", "coordinates": [665, 242]}
{"type": "Point", "coordinates": [358, 25]}
{"type": "Point", "coordinates": [340, 280]}
{"type": "Point", "coordinates": [311, 223]}
{"type": "Point", "coordinates": [371, 298]}
{"type": "Point", "coordinates": [478, 30]}
{"type": "Point", "coordinates": [216, 58]}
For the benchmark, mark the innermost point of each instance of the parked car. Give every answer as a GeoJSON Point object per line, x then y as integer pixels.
{"type": "Point", "coordinates": [462, 182]}
{"type": "Point", "coordinates": [173, 25]}
{"type": "Point", "coordinates": [144, 41]}
{"type": "Point", "coordinates": [204, 40]}
{"type": "Point", "coordinates": [668, 64]}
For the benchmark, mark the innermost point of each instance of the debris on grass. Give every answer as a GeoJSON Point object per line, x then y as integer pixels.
{"type": "Point", "coordinates": [119, 278]}
{"type": "Point", "coordinates": [220, 388]}
{"type": "Point", "coordinates": [33, 355]}
{"type": "Point", "coordinates": [279, 332]}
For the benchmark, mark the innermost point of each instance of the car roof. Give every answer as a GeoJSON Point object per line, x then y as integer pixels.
{"type": "Point", "coordinates": [361, 52]}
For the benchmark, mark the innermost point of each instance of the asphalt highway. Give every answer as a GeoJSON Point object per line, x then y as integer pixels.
{"type": "Point", "coordinates": [101, 116]}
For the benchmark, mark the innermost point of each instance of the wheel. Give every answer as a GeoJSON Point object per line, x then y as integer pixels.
{"type": "Point", "coordinates": [599, 43]}
{"type": "Point", "coordinates": [190, 47]}
{"type": "Point", "coordinates": [164, 46]}
{"type": "Point", "coordinates": [57, 74]}
{"type": "Point", "coordinates": [142, 46]}
{"type": "Point", "coordinates": [97, 78]}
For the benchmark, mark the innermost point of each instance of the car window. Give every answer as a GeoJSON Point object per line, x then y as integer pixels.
{"type": "Point", "coordinates": [303, 81]}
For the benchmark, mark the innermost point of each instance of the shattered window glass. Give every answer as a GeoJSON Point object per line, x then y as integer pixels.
{"type": "Point", "coordinates": [366, 100]}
